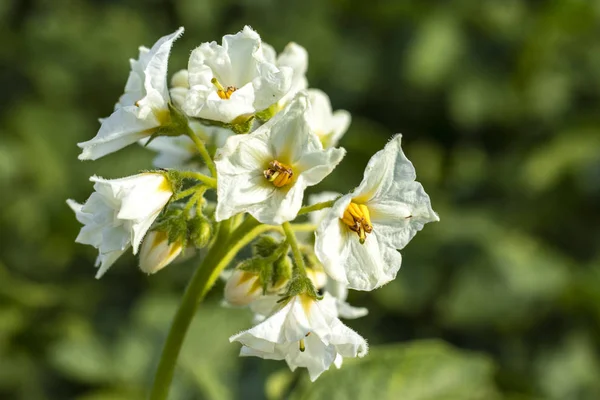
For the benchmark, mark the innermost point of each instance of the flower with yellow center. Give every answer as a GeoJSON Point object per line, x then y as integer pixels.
{"type": "Point", "coordinates": [304, 332]}
{"type": "Point", "coordinates": [143, 107]}
{"type": "Point", "coordinates": [234, 79]}
{"type": "Point", "coordinates": [266, 172]}
{"type": "Point", "coordinates": [358, 239]}
{"type": "Point", "coordinates": [337, 289]}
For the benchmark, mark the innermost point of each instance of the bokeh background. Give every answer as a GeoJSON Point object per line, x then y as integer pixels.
{"type": "Point", "coordinates": [499, 105]}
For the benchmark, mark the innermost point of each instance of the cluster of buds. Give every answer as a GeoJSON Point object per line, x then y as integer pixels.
{"type": "Point", "coordinates": [242, 122]}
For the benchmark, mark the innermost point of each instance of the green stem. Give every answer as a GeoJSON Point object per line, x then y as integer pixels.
{"type": "Point", "coordinates": [291, 238]}
{"type": "Point", "coordinates": [224, 249]}
{"type": "Point", "coordinates": [203, 152]}
{"type": "Point", "coordinates": [187, 192]}
{"type": "Point", "coordinates": [303, 227]}
{"type": "Point", "coordinates": [207, 180]}
{"type": "Point", "coordinates": [316, 207]}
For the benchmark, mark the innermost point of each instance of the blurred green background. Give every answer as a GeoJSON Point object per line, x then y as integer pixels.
{"type": "Point", "coordinates": [499, 105]}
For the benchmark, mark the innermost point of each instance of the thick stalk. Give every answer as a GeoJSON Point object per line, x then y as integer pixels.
{"type": "Point", "coordinates": [221, 253]}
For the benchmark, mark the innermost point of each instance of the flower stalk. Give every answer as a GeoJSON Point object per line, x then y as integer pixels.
{"type": "Point", "coordinates": [203, 152]}
{"type": "Point", "coordinates": [291, 239]}
{"type": "Point", "coordinates": [316, 207]}
{"type": "Point", "coordinates": [225, 247]}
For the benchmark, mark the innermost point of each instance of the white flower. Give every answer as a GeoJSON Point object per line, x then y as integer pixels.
{"type": "Point", "coordinates": [337, 289]}
{"type": "Point", "coordinates": [143, 106]}
{"type": "Point", "coordinates": [329, 126]}
{"type": "Point", "coordinates": [156, 251]}
{"type": "Point", "coordinates": [234, 79]}
{"type": "Point", "coordinates": [357, 240]}
{"type": "Point", "coordinates": [119, 213]}
{"type": "Point", "coordinates": [265, 172]}
{"type": "Point", "coordinates": [305, 333]}
{"type": "Point", "coordinates": [295, 57]}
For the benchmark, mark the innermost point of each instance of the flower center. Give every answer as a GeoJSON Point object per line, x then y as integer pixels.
{"type": "Point", "coordinates": [223, 93]}
{"type": "Point", "coordinates": [278, 174]}
{"type": "Point", "coordinates": [358, 219]}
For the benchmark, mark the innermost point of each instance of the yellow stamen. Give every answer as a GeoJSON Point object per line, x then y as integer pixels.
{"type": "Point", "coordinates": [223, 93]}
{"type": "Point", "coordinates": [302, 346]}
{"type": "Point", "coordinates": [278, 174]}
{"type": "Point", "coordinates": [358, 219]}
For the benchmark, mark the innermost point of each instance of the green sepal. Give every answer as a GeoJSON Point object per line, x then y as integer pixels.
{"type": "Point", "coordinates": [268, 113]}
{"type": "Point", "coordinates": [173, 222]}
{"type": "Point", "coordinates": [253, 265]}
{"type": "Point", "coordinates": [174, 178]}
{"type": "Point", "coordinates": [270, 262]}
{"type": "Point", "coordinates": [177, 125]}
{"type": "Point", "coordinates": [301, 284]}
{"type": "Point", "coordinates": [282, 270]}
{"type": "Point", "coordinates": [240, 125]}
{"type": "Point", "coordinates": [264, 246]}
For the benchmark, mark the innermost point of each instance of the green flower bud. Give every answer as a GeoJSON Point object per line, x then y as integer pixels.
{"type": "Point", "coordinates": [200, 230]}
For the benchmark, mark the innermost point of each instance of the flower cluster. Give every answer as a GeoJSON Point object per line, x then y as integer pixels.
{"type": "Point", "coordinates": [242, 122]}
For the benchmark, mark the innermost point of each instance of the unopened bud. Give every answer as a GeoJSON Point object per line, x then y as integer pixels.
{"type": "Point", "coordinates": [156, 252]}
{"type": "Point", "coordinates": [201, 231]}
{"type": "Point", "coordinates": [242, 288]}
{"type": "Point", "coordinates": [282, 272]}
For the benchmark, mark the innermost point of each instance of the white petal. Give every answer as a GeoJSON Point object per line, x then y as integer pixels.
{"type": "Point", "coordinates": [347, 311]}
{"type": "Point", "coordinates": [397, 218]}
{"type": "Point", "coordinates": [316, 358]}
{"type": "Point", "coordinates": [331, 245]}
{"type": "Point", "coordinates": [347, 342]}
{"type": "Point", "coordinates": [317, 216]}
{"type": "Point", "coordinates": [157, 63]}
{"type": "Point", "coordinates": [241, 49]}
{"type": "Point", "coordinates": [246, 351]}
{"type": "Point", "coordinates": [142, 196]}
{"type": "Point", "coordinates": [181, 79]}
{"type": "Point", "coordinates": [281, 205]}
{"type": "Point", "coordinates": [340, 121]}
{"type": "Point", "coordinates": [372, 264]}
{"type": "Point", "coordinates": [271, 85]}
{"type": "Point", "coordinates": [140, 228]}
{"type": "Point", "coordinates": [317, 165]}
{"type": "Point", "coordinates": [295, 57]}
{"type": "Point", "coordinates": [385, 169]}
{"type": "Point", "coordinates": [106, 260]}
{"type": "Point", "coordinates": [338, 361]}
{"type": "Point", "coordinates": [292, 135]}
{"type": "Point", "coordinates": [121, 129]}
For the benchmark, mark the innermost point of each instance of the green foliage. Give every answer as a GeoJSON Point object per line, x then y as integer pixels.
{"type": "Point", "coordinates": [498, 104]}
{"type": "Point", "coordinates": [422, 370]}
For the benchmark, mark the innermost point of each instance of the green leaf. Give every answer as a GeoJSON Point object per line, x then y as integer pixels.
{"type": "Point", "coordinates": [421, 370]}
